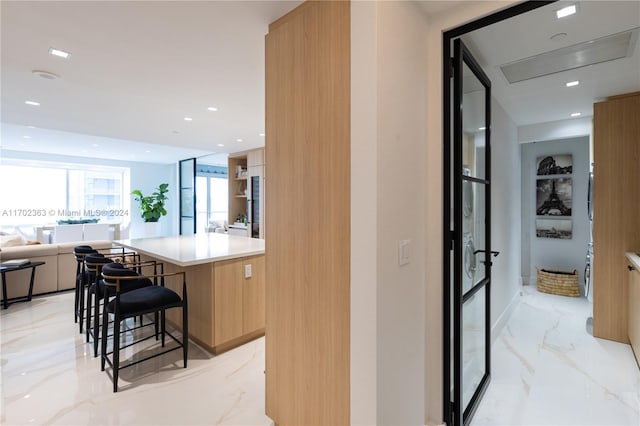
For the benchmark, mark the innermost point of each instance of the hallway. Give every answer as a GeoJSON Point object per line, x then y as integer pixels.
{"type": "Point", "coordinates": [548, 370]}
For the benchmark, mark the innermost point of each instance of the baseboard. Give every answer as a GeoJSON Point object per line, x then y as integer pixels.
{"type": "Point", "coordinates": [504, 317]}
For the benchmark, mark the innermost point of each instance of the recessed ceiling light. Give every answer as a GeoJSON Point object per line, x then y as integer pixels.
{"type": "Point", "coordinates": [212, 109]}
{"type": "Point", "coordinates": [261, 134]}
{"type": "Point", "coordinates": [576, 114]}
{"type": "Point", "coordinates": [566, 11]}
{"type": "Point", "coordinates": [95, 145]}
{"type": "Point", "coordinates": [558, 37]}
{"type": "Point", "coordinates": [482, 128]}
{"type": "Point", "coordinates": [188, 119]}
{"type": "Point", "coordinates": [45, 74]}
{"type": "Point", "coordinates": [33, 103]}
{"type": "Point", "coordinates": [147, 151]}
{"type": "Point", "coordinates": [60, 53]}
{"type": "Point", "coordinates": [238, 140]}
{"type": "Point", "coordinates": [27, 137]}
{"type": "Point", "coordinates": [220, 144]}
{"type": "Point", "coordinates": [31, 127]}
{"type": "Point", "coordinates": [573, 83]}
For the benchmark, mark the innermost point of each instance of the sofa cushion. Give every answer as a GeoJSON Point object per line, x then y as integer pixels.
{"type": "Point", "coordinates": [11, 240]}
{"type": "Point", "coordinates": [27, 252]}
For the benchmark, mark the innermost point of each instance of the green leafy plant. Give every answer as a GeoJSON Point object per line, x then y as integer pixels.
{"type": "Point", "coordinates": [152, 206]}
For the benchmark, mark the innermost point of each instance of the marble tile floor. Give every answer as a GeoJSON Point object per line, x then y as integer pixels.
{"type": "Point", "coordinates": [50, 377]}
{"type": "Point", "coordinates": [548, 370]}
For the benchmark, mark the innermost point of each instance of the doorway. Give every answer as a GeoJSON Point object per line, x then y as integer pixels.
{"type": "Point", "coordinates": [467, 222]}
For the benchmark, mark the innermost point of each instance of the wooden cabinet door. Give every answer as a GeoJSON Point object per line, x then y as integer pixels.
{"type": "Point", "coordinates": [228, 301]}
{"type": "Point", "coordinates": [254, 295]}
{"type": "Point", "coordinates": [634, 311]}
{"type": "Point", "coordinates": [255, 157]}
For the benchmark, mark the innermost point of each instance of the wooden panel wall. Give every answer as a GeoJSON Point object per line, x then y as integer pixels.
{"type": "Point", "coordinates": [308, 215]}
{"type": "Point", "coordinates": [616, 139]}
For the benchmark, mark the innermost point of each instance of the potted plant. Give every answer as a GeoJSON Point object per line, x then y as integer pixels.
{"type": "Point", "coordinates": [152, 206]}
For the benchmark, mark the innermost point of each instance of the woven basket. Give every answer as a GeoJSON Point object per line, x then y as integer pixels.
{"type": "Point", "coordinates": [558, 282]}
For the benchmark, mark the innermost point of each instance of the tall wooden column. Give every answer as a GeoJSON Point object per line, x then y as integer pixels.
{"type": "Point", "coordinates": [308, 215]}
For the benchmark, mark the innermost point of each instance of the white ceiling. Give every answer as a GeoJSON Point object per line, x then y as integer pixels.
{"type": "Point", "coordinates": [546, 99]}
{"type": "Point", "coordinates": [138, 68]}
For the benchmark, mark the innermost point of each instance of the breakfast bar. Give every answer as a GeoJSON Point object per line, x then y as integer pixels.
{"type": "Point", "coordinates": [225, 277]}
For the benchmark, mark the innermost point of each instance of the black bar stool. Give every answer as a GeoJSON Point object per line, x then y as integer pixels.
{"type": "Point", "coordinates": [154, 298]}
{"type": "Point", "coordinates": [96, 291]}
{"type": "Point", "coordinates": [79, 252]}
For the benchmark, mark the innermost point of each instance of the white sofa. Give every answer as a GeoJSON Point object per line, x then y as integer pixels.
{"type": "Point", "coordinates": [57, 274]}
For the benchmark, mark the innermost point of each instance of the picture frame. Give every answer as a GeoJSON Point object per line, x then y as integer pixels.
{"type": "Point", "coordinates": [554, 165]}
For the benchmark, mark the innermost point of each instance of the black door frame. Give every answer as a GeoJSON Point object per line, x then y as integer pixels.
{"type": "Point", "coordinates": [464, 58]}
{"type": "Point", "coordinates": [450, 239]}
{"type": "Point", "coordinates": [182, 188]}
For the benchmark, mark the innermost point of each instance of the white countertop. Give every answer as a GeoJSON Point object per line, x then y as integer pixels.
{"type": "Point", "coordinates": [634, 258]}
{"type": "Point", "coordinates": [187, 250]}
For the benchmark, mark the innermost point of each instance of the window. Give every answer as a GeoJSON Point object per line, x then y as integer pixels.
{"type": "Point", "coordinates": [45, 192]}
{"type": "Point", "coordinates": [211, 201]}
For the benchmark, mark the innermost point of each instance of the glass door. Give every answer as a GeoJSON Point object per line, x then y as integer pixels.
{"type": "Point", "coordinates": [187, 174]}
{"type": "Point", "coordinates": [468, 281]}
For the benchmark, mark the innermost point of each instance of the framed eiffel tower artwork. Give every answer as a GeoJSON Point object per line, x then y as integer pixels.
{"type": "Point", "coordinates": [554, 197]}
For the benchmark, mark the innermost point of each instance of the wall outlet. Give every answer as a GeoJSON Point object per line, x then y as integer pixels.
{"type": "Point", "coordinates": [247, 271]}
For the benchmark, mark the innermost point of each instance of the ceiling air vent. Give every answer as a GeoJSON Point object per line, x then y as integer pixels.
{"type": "Point", "coordinates": [603, 49]}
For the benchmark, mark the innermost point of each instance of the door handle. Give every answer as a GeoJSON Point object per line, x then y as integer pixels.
{"type": "Point", "coordinates": [630, 268]}
{"type": "Point", "coordinates": [487, 262]}
{"type": "Point", "coordinates": [493, 253]}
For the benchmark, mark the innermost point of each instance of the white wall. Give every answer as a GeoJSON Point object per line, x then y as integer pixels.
{"type": "Point", "coordinates": [565, 255]}
{"type": "Point", "coordinates": [505, 216]}
{"type": "Point", "coordinates": [364, 214]}
{"type": "Point", "coordinates": [144, 176]}
{"type": "Point", "coordinates": [388, 88]}
{"type": "Point", "coordinates": [147, 177]}
{"type": "Point", "coordinates": [560, 129]}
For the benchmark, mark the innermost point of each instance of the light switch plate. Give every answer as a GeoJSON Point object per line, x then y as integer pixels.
{"type": "Point", "coordinates": [247, 271]}
{"type": "Point", "coordinates": [404, 252]}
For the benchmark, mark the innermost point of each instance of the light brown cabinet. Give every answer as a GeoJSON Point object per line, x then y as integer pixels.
{"type": "Point", "coordinates": [239, 309]}
{"type": "Point", "coordinates": [634, 311]}
{"type": "Point", "coordinates": [253, 294]}
{"type": "Point", "coordinates": [616, 191]}
{"type": "Point", "coordinates": [228, 301]}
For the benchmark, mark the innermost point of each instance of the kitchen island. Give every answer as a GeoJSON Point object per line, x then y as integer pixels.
{"type": "Point", "coordinates": [225, 277]}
